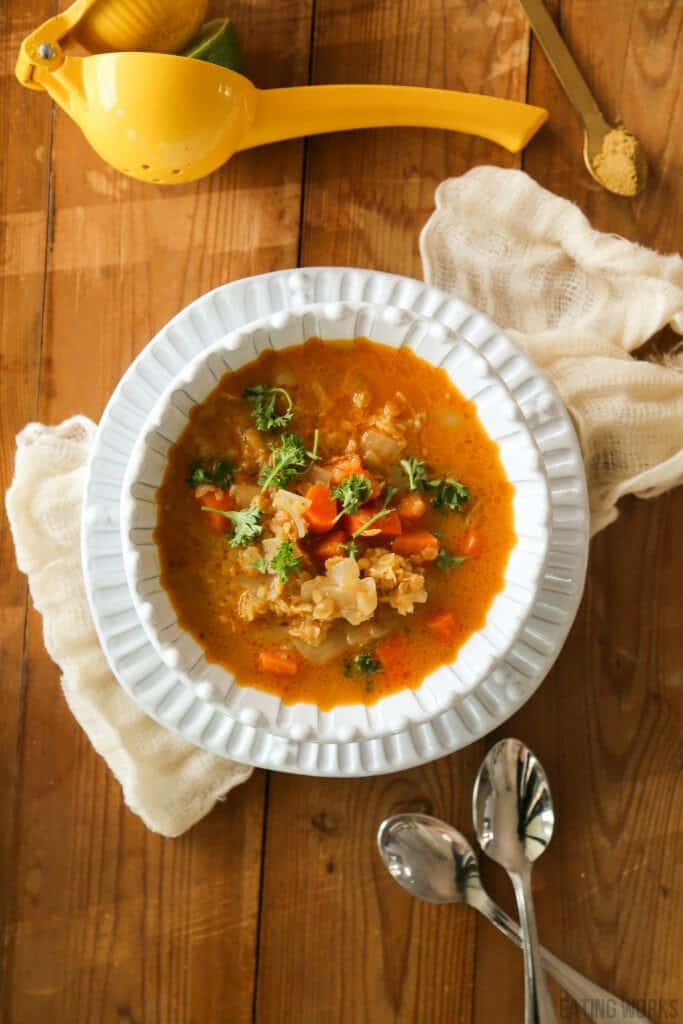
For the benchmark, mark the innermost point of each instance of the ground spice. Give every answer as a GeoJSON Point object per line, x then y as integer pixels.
{"type": "Point", "coordinates": [620, 164]}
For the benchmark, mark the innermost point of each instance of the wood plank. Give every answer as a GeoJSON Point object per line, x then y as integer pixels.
{"type": "Point", "coordinates": [25, 144]}
{"type": "Point", "coordinates": [604, 722]}
{"type": "Point", "coordinates": [339, 941]}
{"type": "Point", "coordinates": [112, 922]}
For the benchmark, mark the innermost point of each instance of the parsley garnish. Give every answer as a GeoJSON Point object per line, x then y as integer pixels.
{"type": "Point", "coordinates": [288, 459]}
{"type": "Point", "coordinates": [264, 400]}
{"type": "Point", "coordinates": [414, 469]}
{"type": "Point", "coordinates": [364, 664]}
{"type": "Point", "coordinates": [246, 523]}
{"type": "Point", "coordinates": [285, 562]}
{"type": "Point", "coordinates": [450, 494]}
{"type": "Point", "coordinates": [351, 548]}
{"type": "Point", "coordinates": [445, 561]}
{"type": "Point", "coordinates": [352, 493]}
{"type": "Point", "coordinates": [219, 473]}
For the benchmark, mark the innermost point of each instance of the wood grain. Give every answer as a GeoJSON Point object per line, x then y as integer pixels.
{"type": "Point", "coordinates": [103, 921]}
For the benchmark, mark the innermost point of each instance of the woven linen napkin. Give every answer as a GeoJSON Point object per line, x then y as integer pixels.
{"type": "Point", "coordinates": [168, 782]}
{"type": "Point", "coordinates": [579, 302]}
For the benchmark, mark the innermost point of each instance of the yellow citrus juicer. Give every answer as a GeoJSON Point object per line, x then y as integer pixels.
{"type": "Point", "coordinates": [169, 119]}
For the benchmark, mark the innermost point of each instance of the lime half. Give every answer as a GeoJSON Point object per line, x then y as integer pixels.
{"type": "Point", "coordinates": [217, 43]}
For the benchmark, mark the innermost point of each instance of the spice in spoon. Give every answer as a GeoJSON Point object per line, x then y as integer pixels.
{"type": "Point", "coordinates": [619, 164]}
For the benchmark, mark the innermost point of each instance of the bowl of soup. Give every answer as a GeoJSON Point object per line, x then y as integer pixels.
{"type": "Point", "coordinates": [335, 521]}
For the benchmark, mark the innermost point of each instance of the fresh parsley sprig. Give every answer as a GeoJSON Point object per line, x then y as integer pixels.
{"type": "Point", "coordinates": [384, 511]}
{"type": "Point", "coordinates": [364, 664]}
{"type": "Point", "coordinates": [352, 493]}
{"type": "Point", "coordinates": [220, 473]}
{"type": "Point", "coordinates": [416, 472]}
{"type": "Point", "coordinates": [448, 493]}
{"type": "Point", "coordinates": [445, 561]}
{"type": "Point", "coordinates": [285, 562]}
{"type": "Point", "coordinates": [264, 406]}
{"type": "Point", "coordinates": [289, 458]}
{"type": "Point", "coordinates": [246, 522]}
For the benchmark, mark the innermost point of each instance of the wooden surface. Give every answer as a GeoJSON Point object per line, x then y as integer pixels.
{"type": "Point", "coordinates": [275, 908]}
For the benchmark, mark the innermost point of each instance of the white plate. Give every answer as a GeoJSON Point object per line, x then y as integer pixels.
{"type": "Point", "coordinates": [170, 699]}
{"type": "Point", "coordinates": [499, 415]}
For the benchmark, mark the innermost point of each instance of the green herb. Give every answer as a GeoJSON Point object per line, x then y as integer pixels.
{"type": "Point", "coordinates": [351, 548]}
{"type": "Point", "coordinates": [264, 402]}
{"type": "Point", "coordinates": [450, 494]}
{"type": "Point", "coordinates": [246, 523]}
{"type": "Point", "coordinates": [414, 469]}
{"type": "Point", "coordinates": [445, 561]}
{"type": "Point", "coordinates": [384, 511]}
{"type": "Point", "coordinates": [364, 664]}
{"type": "Point", "coordinates": [352, 493]}
{"type": "Point", "coordinates": [286, 562]}
{"type": "Point", "coordinates": [219, 473]}
{"type": "Point", "coordinates": [289, 459]}
{"type": "Point", "coordinates": [313, 454]}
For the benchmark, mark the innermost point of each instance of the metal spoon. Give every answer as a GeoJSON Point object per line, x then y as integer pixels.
{"type": "Point", "coordinates": [434, 862]}
{"type": "Point", "coordinates": [613, 156]}
{"type": "Point", "coordinates": [514, 821]}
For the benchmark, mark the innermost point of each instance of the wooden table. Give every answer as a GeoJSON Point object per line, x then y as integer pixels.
{"type": "Point", "coordinates": [275, 908]}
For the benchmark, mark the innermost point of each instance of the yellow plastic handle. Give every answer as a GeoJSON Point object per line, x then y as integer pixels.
{"type": "Point", "coordinates": [312, 109]}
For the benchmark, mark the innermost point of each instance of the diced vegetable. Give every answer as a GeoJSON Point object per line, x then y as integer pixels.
{"type": "Point", "coordinates": [217, 502]}
{"type": "Point", "coordinates": [443, 626]}
{"type": "Point", "coordinates": [330, 546]}
{"type": "Point", "coordinates": [415, 542]}
{"type": "Point", "coordinates": [393, 653]}
{"type": "Point", "coordinates": [379, 450]}
{"type": "Point", "coordinates": [321, 514]}
{"type": "Point", "coordinates": [277, 663]}
{"type": "Point", "coordinates": [387, 523]}
{"type": "Point", "coordinates": [471, 544]}
{"type": "Point", "coordinates": [296, 506]}
{"type": "Point", "coordinates": [344, 467]}
{"type": "Point", "coordinates": [412, 507]}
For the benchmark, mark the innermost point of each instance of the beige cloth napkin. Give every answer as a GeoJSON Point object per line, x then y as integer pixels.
{"type": "Point", "coordinates": [579, 302]}
{"type": "Point", "coordinates": [168, 782]}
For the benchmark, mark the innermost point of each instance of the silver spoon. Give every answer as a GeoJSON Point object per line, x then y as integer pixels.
{"type": "Point", "coordinates": [434, 862]}
{"type": "Point", "coordinates": [514, 820]}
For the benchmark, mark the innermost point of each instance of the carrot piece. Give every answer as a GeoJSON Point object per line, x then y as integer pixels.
{"type": "Point", "coordinates": [221, 501]}
{"type": "Point", "coordinates": [471, 544]}
{"type": "Point", "coordinates": [330, 546]}
{"type": "Point", "coordinates": [412, 507]}
{"type": "Point", "coordinates": [322, 512]}
{"type": "Point", "coordinates": [393, 654]}
{"type": "Point", "coordinates": [388, 526]}
{"type": "Point", "coordinates": [415, 542]}
{"type": "Point", "coordinates": [443, 626]}
{"type": "Point", "coordinates": [277, 663]}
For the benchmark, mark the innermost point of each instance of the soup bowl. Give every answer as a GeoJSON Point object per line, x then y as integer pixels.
{"type": "Point", "coordinates": [502, 419]}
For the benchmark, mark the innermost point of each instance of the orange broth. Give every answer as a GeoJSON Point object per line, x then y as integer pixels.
{"type": "Point", "coordinates": [321, 379]}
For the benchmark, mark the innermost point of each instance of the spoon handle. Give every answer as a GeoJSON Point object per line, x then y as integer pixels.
{"type": "Point", "coordinates": [538, 1007]}
{"type": "Point", "coordinates": [596, 1002]}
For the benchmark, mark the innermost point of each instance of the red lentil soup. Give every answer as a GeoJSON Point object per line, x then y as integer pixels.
{"type": "Point", "coordinates": [334, 522]}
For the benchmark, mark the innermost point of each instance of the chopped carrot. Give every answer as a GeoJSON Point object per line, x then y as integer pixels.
{"type": "Point", "coordinates": [416, 542]}
{"type": "Point", "coordinates": [443, 626]}
{"type": "Point", "coordinates": [471, 544]}
{"type": "Point", "coordinates": [222, 502]}
{"type": "Point", "coordinates": [322, 512]}
{"type": "Point", "coordinates": [277, 663]}
{"type": "Point", "coordinates": [330, 546]}
{"type": "Point", "coordinates": [412, 507]}
{"type": "Point", "coordinates": [393, 654]}
{"type": "Point", "coordinates": [386, 526]}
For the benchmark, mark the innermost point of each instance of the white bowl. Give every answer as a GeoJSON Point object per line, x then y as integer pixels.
{"type": "Point", "coordinates": [500, 416]}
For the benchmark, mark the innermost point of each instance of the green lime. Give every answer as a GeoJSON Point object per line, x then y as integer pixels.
{"type": "Point", "coordinates": [217, 43]}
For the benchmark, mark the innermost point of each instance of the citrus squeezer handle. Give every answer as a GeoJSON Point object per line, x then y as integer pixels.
{"type": "Point", "coordinates": [313, 109]}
